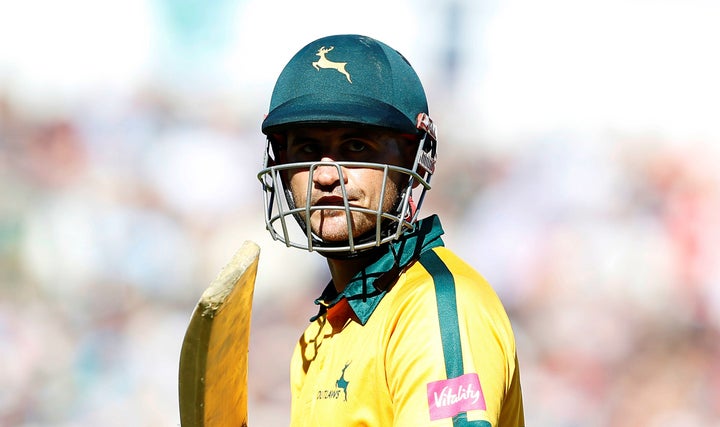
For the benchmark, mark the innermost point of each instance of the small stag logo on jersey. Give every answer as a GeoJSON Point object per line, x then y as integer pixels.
{"type": "Point", "coordinates": [342, 383]}
{"type": "Point", "coordinates": [341, 388]}
{"type": "Point", "coordinates": [323, 62]}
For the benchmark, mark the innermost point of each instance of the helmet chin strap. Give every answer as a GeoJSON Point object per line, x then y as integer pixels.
{"type": "Point", "coordinates": [413, 209]}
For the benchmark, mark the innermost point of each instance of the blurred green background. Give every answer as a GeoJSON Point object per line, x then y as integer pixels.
{"type": "Point", "coordinates": [578, 171]}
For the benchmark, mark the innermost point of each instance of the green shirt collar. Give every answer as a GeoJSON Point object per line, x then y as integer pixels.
{"type": "Point", "coordinates": [368, 287]}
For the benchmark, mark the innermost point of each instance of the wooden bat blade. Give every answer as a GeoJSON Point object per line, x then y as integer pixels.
{"type": "Point", "coordinates": [214, 356]}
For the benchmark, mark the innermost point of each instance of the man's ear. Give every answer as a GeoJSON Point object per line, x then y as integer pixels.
{"type": "Point", "coordinates": [409, 145]}
{"type": "Point", "coordinates": [410, 148]}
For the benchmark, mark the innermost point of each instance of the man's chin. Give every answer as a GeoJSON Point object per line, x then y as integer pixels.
{"type": "Point", "coordinates": [333, 226]}
{"type": "Point", "coordinates": [333, 236]}
{"type": "Point", "coordinates": [338, 233]}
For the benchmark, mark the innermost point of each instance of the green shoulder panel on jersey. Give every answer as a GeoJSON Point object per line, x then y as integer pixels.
{"type": "Point", "coordinates": [449, 325]}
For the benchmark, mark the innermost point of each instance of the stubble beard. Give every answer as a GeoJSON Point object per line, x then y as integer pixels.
{"type": "Point", "coordinates": [331, 225]}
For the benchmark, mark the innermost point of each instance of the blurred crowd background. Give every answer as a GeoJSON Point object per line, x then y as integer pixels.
{"type": "Point", "coordinates": [578, 171]}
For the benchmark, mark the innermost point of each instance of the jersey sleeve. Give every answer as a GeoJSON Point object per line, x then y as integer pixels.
{"type": "Point", "coordinates": [450, 357]}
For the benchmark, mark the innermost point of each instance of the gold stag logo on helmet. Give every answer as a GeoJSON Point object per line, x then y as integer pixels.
{"type": "Point", "coordinates": [323, 62]}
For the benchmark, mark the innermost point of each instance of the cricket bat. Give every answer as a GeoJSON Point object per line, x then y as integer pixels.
{"type": "Point", "coordinates": [214, 356]}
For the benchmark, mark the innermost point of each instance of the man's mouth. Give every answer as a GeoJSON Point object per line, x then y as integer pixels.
{"type": "Point", "coordinates": [330, 201]}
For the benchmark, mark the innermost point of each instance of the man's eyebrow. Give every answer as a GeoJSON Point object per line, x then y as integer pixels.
{"type": "Point", "coordinates": [357, 133]}
{"type": "Point", "coordinates": [302, 139]}
{"type": "Point", "coordinates": [349, 134]}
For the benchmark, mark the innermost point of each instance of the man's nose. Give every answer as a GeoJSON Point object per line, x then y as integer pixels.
{"type": "Point", "coordinates": [328, 174]}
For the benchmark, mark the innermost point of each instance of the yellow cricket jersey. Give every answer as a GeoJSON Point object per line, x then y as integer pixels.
{"type": "Point", "coordinates": [432, 348]}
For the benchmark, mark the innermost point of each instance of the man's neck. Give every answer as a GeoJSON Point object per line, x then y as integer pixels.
{"type": "Point", "coordinates": [343, 270]}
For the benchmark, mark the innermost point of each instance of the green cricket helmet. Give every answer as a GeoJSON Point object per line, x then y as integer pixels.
{"type": "Point", "coordinates": [347, 80]}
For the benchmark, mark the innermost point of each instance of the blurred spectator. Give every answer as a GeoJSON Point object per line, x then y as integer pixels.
{"type": "Point", "coordinates": [118, 208]}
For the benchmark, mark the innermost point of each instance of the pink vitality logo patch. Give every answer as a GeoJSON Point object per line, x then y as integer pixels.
{"type": "Point", "coordinates": [448, 398]}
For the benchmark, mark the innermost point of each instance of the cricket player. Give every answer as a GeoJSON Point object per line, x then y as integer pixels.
{"type": "Point", "coordinates": [407, 333]}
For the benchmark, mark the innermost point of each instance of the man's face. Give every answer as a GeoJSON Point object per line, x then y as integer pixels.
{"type": "Point", "coordinates": [363, 185]}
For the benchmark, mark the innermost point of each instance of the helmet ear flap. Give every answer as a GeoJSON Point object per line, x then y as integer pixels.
{"type": "Point", "coordinates": [277, 145]}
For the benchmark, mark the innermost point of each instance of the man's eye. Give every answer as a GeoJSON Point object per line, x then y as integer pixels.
{"type": "Point", "coordinates": [355, 146]}
{"type": "Point", "coordinates": [308, 149]}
